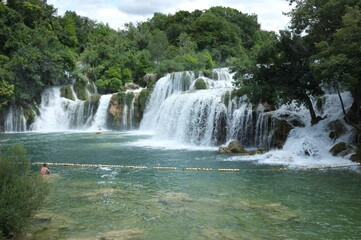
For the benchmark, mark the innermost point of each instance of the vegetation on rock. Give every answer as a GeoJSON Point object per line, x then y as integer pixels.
{"type": "Point", "coordinates": [200, 84]}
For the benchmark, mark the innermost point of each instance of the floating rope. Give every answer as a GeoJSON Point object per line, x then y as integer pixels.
{"type": "Point", "coordinates": [195, 169]}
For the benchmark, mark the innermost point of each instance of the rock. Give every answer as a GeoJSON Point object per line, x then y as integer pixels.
{"type": "Point", "coordinates": [131, 86]}
{"type": "Point", "coordinates": [120, 235]}
{"type": "Point", "coordinates": [66, 92]}
{"type": "Point", "coordinates": [150, 77]}
{"type": "Point", "coordinates": [337, 129]}
{"type": "Point", "coordinates": [200, 84]}
{"type": "Point", "coordinates": [341, 149]}
{"type": "Point", "coordinates": [233, 147]}
{"type": "Point", "coordinates": [319, 103]}
{"type": "Point", "coordinates": [80, 89]}
{"type": "Point", "coordinates": [257, 151]}
{"type": "Point", "coordinates": [282, 129]}
{"type": "Point", "coordinates": [357, 156]}
{"type": "Point", "coordinates": [268, 107]}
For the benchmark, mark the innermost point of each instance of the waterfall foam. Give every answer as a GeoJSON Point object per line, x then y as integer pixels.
{"type": "Point", "coordinates": [310, 145]}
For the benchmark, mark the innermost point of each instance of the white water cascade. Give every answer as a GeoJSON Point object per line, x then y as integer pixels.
{"type": "Point", "coordinates": [15, 120]}
{"type": "Point", "coordinates": [209, 117]}
{"type": "Point", "coordinates": [100, 118]}
{"type": "Point", "coordinates": [61, 114]}
{"type": "Point", "coordinates": [310, 145]}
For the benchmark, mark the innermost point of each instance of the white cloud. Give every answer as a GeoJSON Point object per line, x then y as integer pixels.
{"type": "Point", "coordinates": [144, 7]}
{"type": "Point", "coordinates": [117, 13]}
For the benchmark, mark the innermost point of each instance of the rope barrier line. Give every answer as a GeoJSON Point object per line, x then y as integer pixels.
{"type": "Point", "coordinates": [331, 166]}
{"type": "Point", "coordinates": [196, 169]}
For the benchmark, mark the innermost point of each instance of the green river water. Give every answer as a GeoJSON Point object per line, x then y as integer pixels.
{"type": "Point", "coordinates": [259, 202]}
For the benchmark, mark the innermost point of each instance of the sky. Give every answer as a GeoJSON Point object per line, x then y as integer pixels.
{"type": "Point", "coordinates": [118, 12]}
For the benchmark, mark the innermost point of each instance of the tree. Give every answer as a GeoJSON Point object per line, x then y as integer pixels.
{"type": "Point", "coordinates": [318, 19]}
{"type": "Point", "coordinates": [22, 192]}
{"type": "Point", "coordinates": [282, 72]}
{"type": "Point", "coordinates": [158, 46]}
{"type": "Point", "coordinates": [338, 62]}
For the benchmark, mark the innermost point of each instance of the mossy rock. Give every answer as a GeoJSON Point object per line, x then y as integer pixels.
{"type": "Point", "coordinates": [91, 87]}
{"type": "Point", "coordinates": [208, 73]}
{"type": "Point", "coordinates": [227, 97]}
{"type": "Point", "coordinates": [337, 129]}
{"type": "Point", "coordinates": [233, 147]}
{"type": "Point", "coordinates": [319, 103]}
{"type": "Point", "coordinates": [92, 102]}
{"type": "Point", "coordinates": [30, 113]}
{"type": "Point", "coordinates": [200, 84]}
{"type": "Point", "coordinates": [143, 98]}
{"type": "Point", "coordinates": [66, 92]}
{"type": "Point", "coordinates": [282, 129]}
{"type": "Point", "coordinates": [356, 157]}
{"type": "Point", "coordinates": [215, 76]}
{"type": "Point", "coordinates": [340, 149]}
{"type": "Point", "coordinates": [80, 89]}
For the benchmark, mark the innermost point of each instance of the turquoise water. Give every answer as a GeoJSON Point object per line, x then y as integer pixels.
{"type": "Point", "coordinates": [259, 202]}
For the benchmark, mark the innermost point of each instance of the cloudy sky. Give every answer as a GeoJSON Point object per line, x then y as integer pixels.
{"type": "Point", "coordinates": [118, 12]}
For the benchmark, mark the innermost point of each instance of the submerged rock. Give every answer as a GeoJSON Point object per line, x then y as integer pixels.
{"type": "Point", "coordinates": [117, 235]}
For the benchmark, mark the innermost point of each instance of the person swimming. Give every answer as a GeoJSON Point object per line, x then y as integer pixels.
{"type": "Point", "coordinates": [45, 170]}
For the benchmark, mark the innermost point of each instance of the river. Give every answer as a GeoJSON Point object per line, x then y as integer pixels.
{"type": "Point", "coordinates": [258, 202]}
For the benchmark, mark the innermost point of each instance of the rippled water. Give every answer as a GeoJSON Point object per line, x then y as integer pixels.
{"type": "Point", "coordinates": [259, 202]}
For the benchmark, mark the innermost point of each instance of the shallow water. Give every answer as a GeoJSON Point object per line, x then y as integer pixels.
{"type": "Point", "coordinates": [258, 202]}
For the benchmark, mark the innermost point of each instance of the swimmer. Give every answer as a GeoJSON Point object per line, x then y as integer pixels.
{"type": "Point", "coordinates": [44, 170]}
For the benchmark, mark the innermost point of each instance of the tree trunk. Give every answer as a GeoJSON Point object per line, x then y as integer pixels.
{"type": "Point", "coordinates": [344, 112]}
{"type": "Point", "coordinates": [314, 119]}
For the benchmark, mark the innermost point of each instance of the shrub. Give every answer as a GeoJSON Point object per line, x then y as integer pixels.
{"type": "Point", "coordinates": [21, 192]}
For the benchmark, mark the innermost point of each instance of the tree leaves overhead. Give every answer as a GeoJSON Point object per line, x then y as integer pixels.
{"type": "Point", "coordinates": [44, 49]}
{"type": "Point", "coordinates": [322, 47]}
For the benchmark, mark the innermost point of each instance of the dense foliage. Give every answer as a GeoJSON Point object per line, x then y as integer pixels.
{"type": "Point", "coordinates": [322, 48]}
{"type": "Point", "coordinates": [21, 192]}
{"type": "Point", "coordinates": [39, 49]}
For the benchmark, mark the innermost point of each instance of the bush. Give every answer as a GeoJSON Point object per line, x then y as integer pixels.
{"type": "Point", "coordinates": [21, 192]}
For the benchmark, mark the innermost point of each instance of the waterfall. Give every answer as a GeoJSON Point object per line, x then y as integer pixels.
{"type": "Point", "coordinates": [310, 145]}
{"type": "Point", "coordinates": [53, 115]}
{"type": "Point", "coordinates": [60, 114]}
{"type": "Point", "coordinates": [100, 118]}
{"type": "Point", "coordinates": [15, 120]}
{"type": "Point", "coordinates": [181, 113]}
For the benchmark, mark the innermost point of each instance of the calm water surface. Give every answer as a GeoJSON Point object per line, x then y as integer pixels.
{"type": "Point", "coordinates": [259, 202]}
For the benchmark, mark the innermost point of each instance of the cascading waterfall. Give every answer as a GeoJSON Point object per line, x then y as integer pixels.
{"type": "Point", "coordinates": [100, 118]}
{"type": "Point", "coordinates": [15, 120]}
{"type": "Point", "coordinates": [177, 111]}
{"type": "Point", "coordinates": [212, 117]}
{"type": "Point", "coordinates": [59, 114]}
{"type": "Point", "coordinates": [310, 145]}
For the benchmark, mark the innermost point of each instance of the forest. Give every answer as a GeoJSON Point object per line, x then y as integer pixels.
{"type": "Point", "coordinates": [320, 49]}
